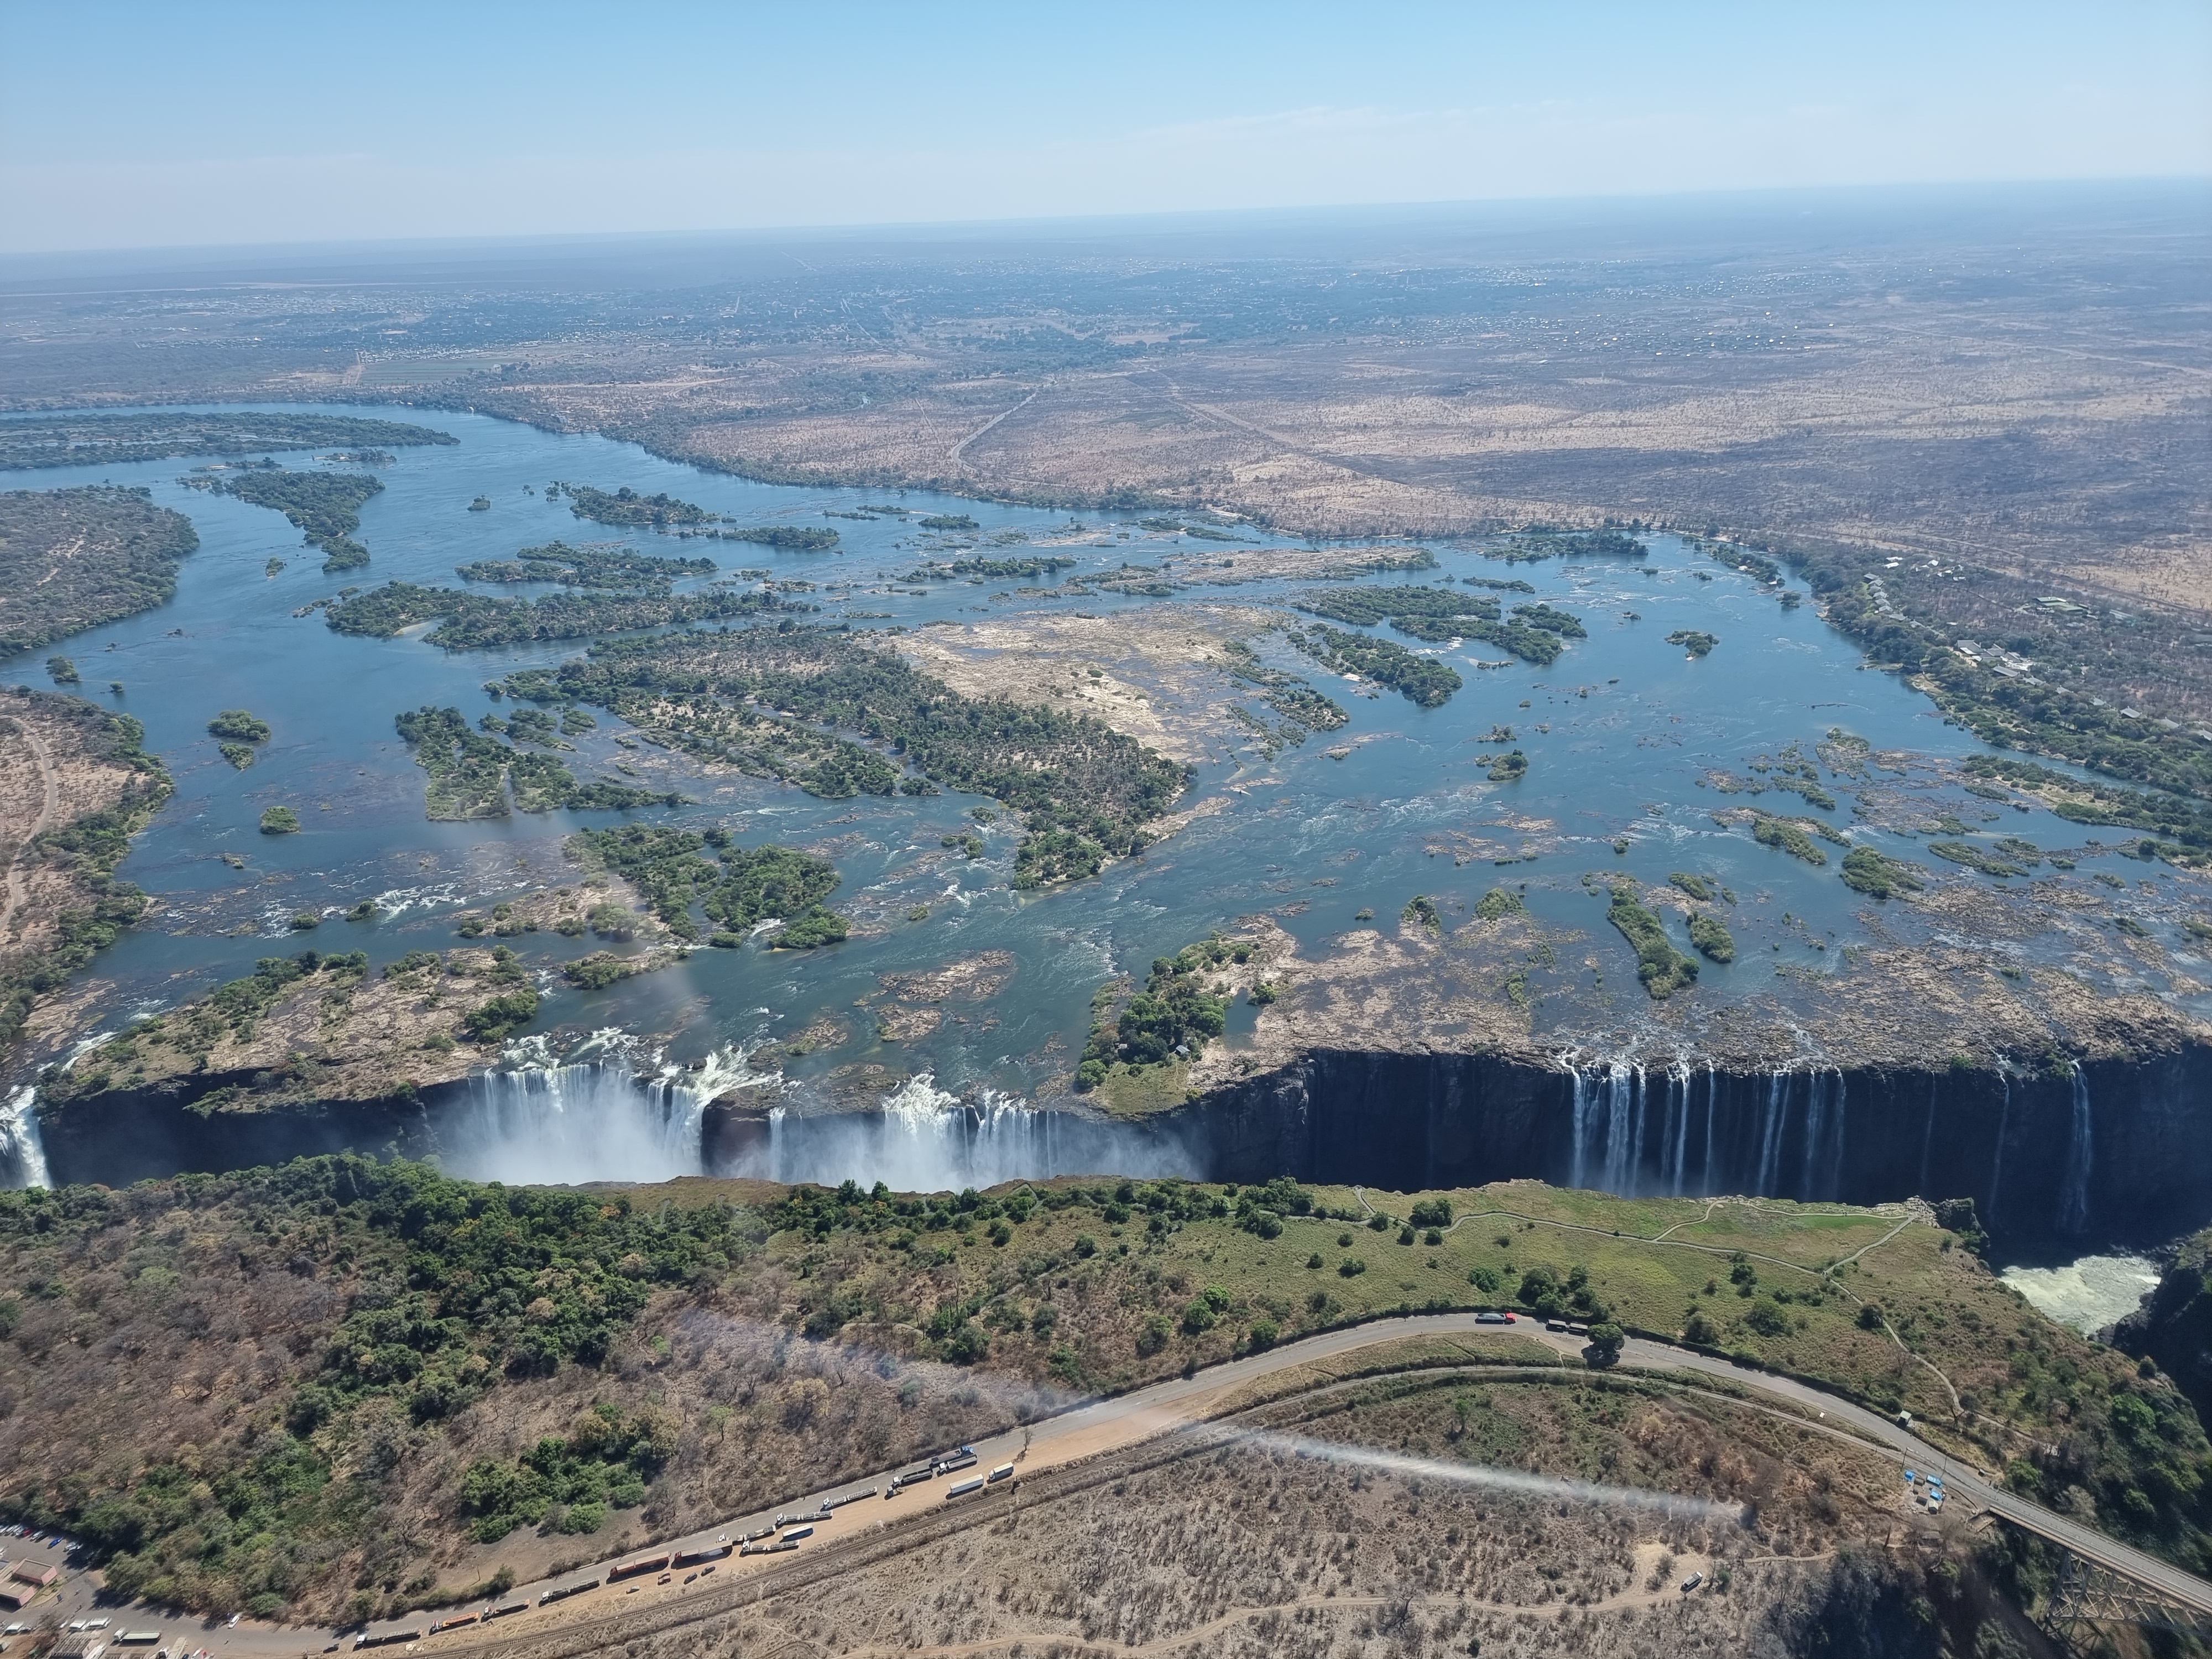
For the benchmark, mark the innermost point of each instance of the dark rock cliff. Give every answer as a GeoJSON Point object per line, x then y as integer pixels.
{"type": "Point", "coordinates": [2109, 1152]}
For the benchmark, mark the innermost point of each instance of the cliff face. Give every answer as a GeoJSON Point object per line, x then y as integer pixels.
{"type": "Point", "coordinates": [2174, 1327]}
{"type": "Point", "coordinates": [2106, 1152]}
{"type": "Point", "coordinates": [168, 1126]}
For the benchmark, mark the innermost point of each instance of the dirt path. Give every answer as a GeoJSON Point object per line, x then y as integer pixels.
{"type": "Point", "coordinates": [956, 453]}
{"type": "Point", "coordinates": [15, 897]}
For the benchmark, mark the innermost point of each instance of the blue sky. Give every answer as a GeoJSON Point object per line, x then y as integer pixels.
{"type": "Point", "coordinates": [131, 126]}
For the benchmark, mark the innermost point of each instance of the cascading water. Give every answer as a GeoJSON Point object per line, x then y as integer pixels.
{"type": "Point", "coordinates": [605, 1113]}
{"type": "Point", "coordinates": [1996, 1162]}
{"type": "Point", "coordinates": [1774, 1124]}
{"type": "Point", "coordinates": [2074, 1197]}
{"type": "Point", "coordinates": [1678, 1081]}
{"type": "Point", "coordinates": [1927, 1140]}
{"type": "Point", "coordinates": [22, 1156]}
{"type": "Point", "coordinates": [1712, 1100]}
{"type": "Point", "coordinates": [924, 1140]}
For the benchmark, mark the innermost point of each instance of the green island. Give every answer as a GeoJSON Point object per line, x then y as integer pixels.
{"type": "Point", "coordinates": [324, 506]}
{"type": "Point", "coordinates": [72, 559]}
{"type": "Point", "coordinates": [1879, 876]}
{"type": "Point", "coordinates": [240, 726]}
{"type": "Point", "coordinates": [626, 506]}
{"type": "Point", "coordinates": [467, 621]}
{"type": "Point", "coordinates": [1165, 1024]}
{"type": "Point", "coordinates": [1437, 615]}
{"type": "Point", "coordinates": [1421, 680]}
{"type": "Point", "coordinates": [1662, 967]}
{"type": "Point", "coordinates": [579, 566]}
{"type": "Point", "coordinates": [238, 731]}
{"type": "Point", "coordinates": [1508, 768]}
{"type": "Point", "coordinates": [63, 670]}
{"type": "Point", "coordinates": [734, 888]}
{"type": "Point", "coordinates": [1303, 710]}
{"type": "Point", "coordinates": [429, 1310]}
{"type": "Point", "coordinates": [117, 440]}
{"type": "Point", "coordinates": [769, 701]}
{"type": "Point", "coordinates": [993, 569]}
{"type": "Point", "coordinates": [1975, 857]}
{"type": "Point", "coordinates": [1703, 889]}
{"type": "Point", "coordinates": [786, 538]}
{"type": "Point", "coordinates": [1499, 902]}
{"type": "Point", "coordinates": [280, 821]}
{"type": "Point", "coordinates": [1693, 641]}
{"type": "Point", "coordinates": [1793, 836]}
{"type": "Point", "coordinates": [1714, 942]}
{"type": "Point", "coordinates": [1540, 542]}
{"type": "Point", "coordinates": [471, 774]}
{"type": "Point", "coordinates": [949, 521]}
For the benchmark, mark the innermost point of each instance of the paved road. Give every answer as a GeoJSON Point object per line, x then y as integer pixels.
{"type": "Point", "coordinates": [1145, 1414]}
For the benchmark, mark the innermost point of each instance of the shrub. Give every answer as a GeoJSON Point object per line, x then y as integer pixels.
{"type": "Point", "coordinates": [501, 1016]}
{"type": "Point", "coordinates": [1766, 1317]}
{"type": "Point", "coordinates": [239, 727]}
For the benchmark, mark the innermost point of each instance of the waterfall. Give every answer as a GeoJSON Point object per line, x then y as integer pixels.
{"type": "Point", "coordinates": [924, 1139]}
{"type": "Point", "coordinates": [1578, 1124]}
{"type": "Point", "coordinates": [1712, 1100]}
{"type": "Point", "coordinates": [1816, 1116]}
{"type": "Point", "coordinates": [615, 1115]}
{"type": "Point", "coordinates": [2074, 1198]}
{"type": "Point", "coordinates": [1623, 1125]}
{"type": "Point", "coordinates": [1927, 1140]}
{"type": "Point", "coordinates": [1774, 1125]}
{"type": "Point", "coordinates": [1680, 1119]}
{"type": "Point", "coordinates": [22, 1155]}
{"type": "Point", "coordinates": [1996, 1162]}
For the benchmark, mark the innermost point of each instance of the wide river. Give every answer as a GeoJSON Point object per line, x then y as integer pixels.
{"type": "Point", "coordinates": [1620, 733]}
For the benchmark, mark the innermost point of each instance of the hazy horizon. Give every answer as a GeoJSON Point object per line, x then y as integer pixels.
{"type": "Point", "coordinates": [129, 126]}
{"type": "Point", "coordinates": [1554, 226]}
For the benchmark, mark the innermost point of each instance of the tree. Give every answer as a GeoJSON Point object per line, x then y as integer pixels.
{"type": "Point", "coordinates": [1606, 1342]}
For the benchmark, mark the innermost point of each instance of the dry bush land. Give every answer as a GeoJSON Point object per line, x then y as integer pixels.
{"type": "Point", "coordinates": [74, 786]}
{"type": "Point", "coordinates": [71, 559]}
{"type": "Point", "coordinates": [2019, 381]}
{"type": "Point", "coordinates": [1165, 685]}
{"type": "Point", "coordinates": [59, 763]}
{"type": "Point", "coordinates": [787, 1339]}
{"type": "Point", "coordinates": [1306, 1543]}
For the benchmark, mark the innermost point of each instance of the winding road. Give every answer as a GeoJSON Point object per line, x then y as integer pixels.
{"type": "Point", "coordinates": [1101, 1441]}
